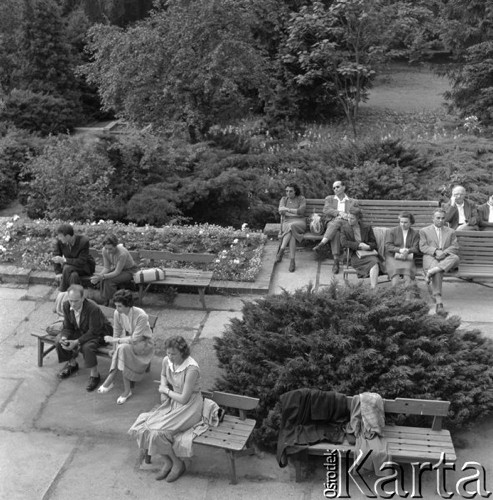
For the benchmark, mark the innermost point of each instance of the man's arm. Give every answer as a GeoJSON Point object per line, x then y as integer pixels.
{"type": "Point", "coordinates": [68, 330]}
{"type": "Point", "coordinates": [425, 246]}
{"type": "Point", "coordinates": [98, 325]}
{"type": "Point", "coordinates": [453, 247]}
{"type": "Point", "coordinates": [57, 252]}
{"type": "Point", "coordinates": [451, 215]}
{"type": "Point", "coordinates": [472, 217]}
{"type": "Point", "coordinates": [329, 207]}
{"type": "Point", "coordinates": [80, 252]}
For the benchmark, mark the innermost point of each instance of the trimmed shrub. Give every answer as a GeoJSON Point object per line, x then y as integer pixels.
{"type": "Point", "coordinates": [351, 339]}
{"type": "Point", "coordinates": [38, 112]}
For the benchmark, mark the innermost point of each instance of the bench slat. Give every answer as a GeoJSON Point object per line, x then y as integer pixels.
{"type": "Point", "coordinates": [235, 400]}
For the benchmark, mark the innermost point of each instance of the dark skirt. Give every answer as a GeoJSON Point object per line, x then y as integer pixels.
{"type": "Point", "coordinates": [364, 264]}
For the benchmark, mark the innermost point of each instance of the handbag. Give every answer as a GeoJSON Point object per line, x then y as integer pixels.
{"type": "Point", "coordinates": [149, 275]}
{"type": "Point", "coordinates": [316, 224]}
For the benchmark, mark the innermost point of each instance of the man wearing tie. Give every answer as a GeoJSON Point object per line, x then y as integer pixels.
{"type": "Point", "coordinates": [440, 254]}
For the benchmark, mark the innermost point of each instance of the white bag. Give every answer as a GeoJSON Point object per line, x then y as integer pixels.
{"type": "Point", "coordinates": [316, 224]}
{"type": "Point", "coordinates": [149, 275]}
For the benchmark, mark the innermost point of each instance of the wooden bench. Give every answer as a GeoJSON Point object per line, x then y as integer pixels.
{"type": "Point", "coordinates": [233, 433]}
{"type": "Point", "coordinates": [377, 213]}
{"type": "Point", "coordinates": [476, 255]}
{"type": "Point", "coordinates": [405, 444]}
{"type": "Point", "coordinates": [194, 278]}
{"type": "Point", "coordinates": [46, 338]}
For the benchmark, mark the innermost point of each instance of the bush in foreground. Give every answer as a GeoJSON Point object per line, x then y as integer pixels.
{"type": "Point", "coordinates": [352, 340]}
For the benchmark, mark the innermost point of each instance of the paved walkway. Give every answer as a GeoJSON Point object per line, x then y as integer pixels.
{"type": "Point", "coordinates": [59, 442]}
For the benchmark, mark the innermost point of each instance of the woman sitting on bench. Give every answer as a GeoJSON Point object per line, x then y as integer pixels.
{"type": "Point", "coordinates": [293, 222]}
{"type": "Point", "coordinates": [180, 409]}
{"type": "Point", "coordinates": [401, 246]}
{"type": "Point", "coordinates": [359, 238]}
{"type": "Point", "coordinates": [133, 344]}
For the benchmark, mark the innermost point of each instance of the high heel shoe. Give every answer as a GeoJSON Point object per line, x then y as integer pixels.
{"type": "Point", "coordinates": [104, 390]}
{"type": "Point", "coordinates": [279, 255]}
{"type": "Point", "coordinates": [123, 399]}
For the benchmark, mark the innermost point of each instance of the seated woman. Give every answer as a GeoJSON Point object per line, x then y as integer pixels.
{"type": "Point", "coordinates": [401, 246]}
{"type": "Point", "coordinates": [359, 238]}
{"type": "Point", "coordinates": [485, 215]}
{"type": "Point", "coordinates": [180, 409]}
{"type": "Point", "coordinates": [119, 268]}
{"type": "Point", "coordinates": [293, 222]}
{"type": "Point", "coordinates": [132, 340]}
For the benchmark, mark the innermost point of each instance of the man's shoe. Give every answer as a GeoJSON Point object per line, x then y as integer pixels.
{"type": "Point", "coordinates": [93, 383]}
{"type": "Point", "coordinates": [335, 267]}
{"type": "Point", "coordinates": [67, 370]}
{"type": "Point", "coordinates": [292, 266]}
{"type": "Point", "coordinates": [440, 310]}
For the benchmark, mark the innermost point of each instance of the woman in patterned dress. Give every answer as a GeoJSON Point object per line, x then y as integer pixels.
{"type": "Point", "coordinates": [180, 409]}
{"type": "Point", "coordinates": [293, 222]}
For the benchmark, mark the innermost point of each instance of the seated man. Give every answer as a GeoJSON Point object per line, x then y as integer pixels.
{"type": "Point", "coordinates": [485, 215]}
{"type": "Point", "coordinates": [335, 212]}
{"type": "Point", "coordinates": [71, 257]}
{"type": "Point", "coordinates": [359, 238]}
{"type": "Point", "coordinates": [84, 328]}
{"type": "Point", "coordinates": [440, 249]}
{"type": "Point", "coordinates": [461, 214]}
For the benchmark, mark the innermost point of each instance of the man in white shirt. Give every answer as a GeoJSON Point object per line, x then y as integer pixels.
{"type": "Point", "coordinates": [485, 215]}
{"type": "Point", "coordinates": [461, 214]}
{"type": "Point", "coordinates": [335, 212]}
{"type": "Point", "coordinates": [440, 249]}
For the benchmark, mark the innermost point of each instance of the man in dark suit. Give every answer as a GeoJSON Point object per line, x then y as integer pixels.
{"type": "Point", "coordinates": [461, 214]}
{"type": "Point", "coordinates": [335, 212]}
{"type": "Point", "coordinates": [485, 215]}
{"type": "Point", "coordinates": [440, 249]}
{"type": "Point", "coordinates": [84, 328]}
{"type": "Point", "coordinates": [71, 256]}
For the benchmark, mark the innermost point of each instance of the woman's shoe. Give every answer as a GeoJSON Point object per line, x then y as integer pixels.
{"type": "Point", "coordinates": [175, 473]}
{"type": "Point", "coordinates": [123, 399]}
{"type": "Point", "coordinates": [292, 266]}
{"type": "Point", "coordinates": [279, 255]}
{"type": "Point", "coordinates": [168, 465]}
{"type": "Point", "coordinates": [104, 390]}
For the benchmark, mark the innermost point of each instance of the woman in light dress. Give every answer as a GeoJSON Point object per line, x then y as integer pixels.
{"type": "Point", "coordinates": [132, 342]}
{"type": "Point", "coordinates": [180, 409]}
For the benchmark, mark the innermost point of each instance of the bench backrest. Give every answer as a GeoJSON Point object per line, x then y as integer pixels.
{"type": "Point", "coordinates": [109, 312]}
{"type": "Point", "coordinates": [476, 247]}
{"type": "Point", "coordinates": [236, 401]}
{"type": "Point", "coordinates": [162, 255]}
{"type": "Point", "coordinates": [428, 407]}
{"type": "Point", "coordinates": [384, 213]}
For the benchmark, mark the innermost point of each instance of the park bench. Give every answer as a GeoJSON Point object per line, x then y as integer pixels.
{"type": "Point", "coordinates": [377, 213]}
{"type": "Point", "coordinates": [192, 278]}
{"type": "Point", "coordinates": [183, 277]}
{"type": "Point", "coordinates": [476, 255]}
{"type": "Point", "coordinates": [405, 444]}
{"type": "Point", "coordinates": [233, 432]}
{"type": "Point", "coordinates": [104, 351]}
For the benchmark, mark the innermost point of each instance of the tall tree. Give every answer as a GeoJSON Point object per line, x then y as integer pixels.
{"type": "Point", "coordinates": [195, 63]}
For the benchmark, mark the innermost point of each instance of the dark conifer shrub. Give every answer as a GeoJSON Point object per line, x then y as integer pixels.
{"type": "Point", "coordinates": [352, 340]}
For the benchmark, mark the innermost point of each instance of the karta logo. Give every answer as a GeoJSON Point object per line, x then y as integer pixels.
{"type": "Point", "coordinates": [340, 476]}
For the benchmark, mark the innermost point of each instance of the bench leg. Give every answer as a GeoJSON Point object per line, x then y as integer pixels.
{"type": "Point", "coordinates": [232, 466]}
{"type": "Point", "coordinates": [40, 352]}
{"type": "Point", "coordinates": [202, 297]}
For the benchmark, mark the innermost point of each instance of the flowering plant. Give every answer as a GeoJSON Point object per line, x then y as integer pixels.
{"type": "Point", "coordinates": [29, 244]}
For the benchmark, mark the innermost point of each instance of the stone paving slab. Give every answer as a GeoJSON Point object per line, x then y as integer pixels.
{"type": "Point", "coordinates": [30, 462]}
{"type": "Point", "coordinates": [216, 321]}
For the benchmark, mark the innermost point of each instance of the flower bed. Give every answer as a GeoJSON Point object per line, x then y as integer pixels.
{"type": "Point", "coordinates": [28, 244]}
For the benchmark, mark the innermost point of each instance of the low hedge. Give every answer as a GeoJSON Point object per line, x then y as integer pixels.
{"type": "Point", "coordinates": [239, 252]}
{"type": "Point", "coordinates": [352, 340]}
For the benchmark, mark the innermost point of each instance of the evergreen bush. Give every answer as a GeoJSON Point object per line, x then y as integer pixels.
{"type": "Point", "coordinates": [351, 339]}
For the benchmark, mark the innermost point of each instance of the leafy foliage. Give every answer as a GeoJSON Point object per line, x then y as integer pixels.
{"type": "Point", "coordinates": [193, 63]}
{"type": "Point", "coordinates": [352, 340]}
{"type": "Point", "coordinates": [69, 180]}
